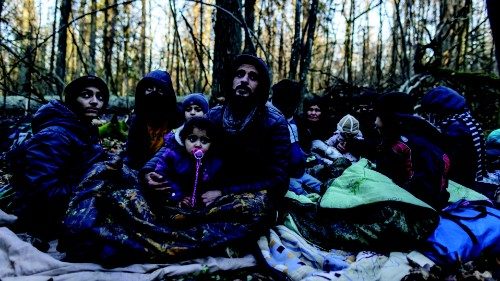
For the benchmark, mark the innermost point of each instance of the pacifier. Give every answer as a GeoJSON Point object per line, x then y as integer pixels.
{"type": "Point", "coordinates": [198, 153]}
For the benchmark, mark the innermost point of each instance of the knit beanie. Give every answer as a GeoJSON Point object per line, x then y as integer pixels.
{"type": "Point", "coordinates": [493, 144]}
{"type": "Point", "coordinates": [75, 87]}
{"type": "Point", "coordinates": [348, 124]}
{"type": "Point", "coordinates": [196, 99]}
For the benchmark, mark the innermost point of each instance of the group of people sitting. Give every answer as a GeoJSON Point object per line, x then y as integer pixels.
{"type": "Point", "coordinates": [245, 154]}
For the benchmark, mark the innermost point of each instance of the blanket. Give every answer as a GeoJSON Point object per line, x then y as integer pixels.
{"type": "Point", "coordinates": [111, 221]}
{"type": "Point", "coordinates": [19, 260]}
{"type": "Point", "coordinates": [362, 209]}
{"type": "Point", "coordinates": [289, 253]}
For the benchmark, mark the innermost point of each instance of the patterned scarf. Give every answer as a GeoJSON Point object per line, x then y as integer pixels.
{"type": "Point", "coordinates": [477, 139]}
{"type": "Point", "coordinates": [233, 125]}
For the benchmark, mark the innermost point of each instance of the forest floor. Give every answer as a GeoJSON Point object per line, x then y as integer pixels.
{"type": "Point", "coordinates": [486, 268]}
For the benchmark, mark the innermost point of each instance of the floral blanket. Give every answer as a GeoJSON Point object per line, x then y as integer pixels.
{"type": "Point", "coordinates": [111, 221]}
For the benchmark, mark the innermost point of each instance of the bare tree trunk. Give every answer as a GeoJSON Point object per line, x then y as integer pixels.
{"type": "Point", "coordinates": [281, 54]}
{"type": "Point", "coordinates": [61, 44]}
{"type": "Point", "coordinates": [200, 53]}
{"type": "Point", "coordinates": [250, 21]}
{"type": "Point", "coordinates": [463, 35]}
{"type": "Point", "coordinates": [92, 46]}
{"type": "Point", "coordinates": [394, 52]}
{"type": "Point", "coordinates": [348, 43]}
{"type": "Point", "coordinates": [307, 52]}
{"type": "Point", "coordinates": [493, 8]}
{"type": "Point", "coordinates": [365, 61]}
{"type": "Point", "coordinates": [227, 45]}
{"type": "Point", "coordinates": [109, 41]}
{"type": "Point", "coordinates": [125, 55]}
{"type": "Point", "coordinates": [142, 55]}
{"type": "Point", "coordinates": [296, 46]}
{"type": "Point", "coordinates": [53, 48]}
{"type": "Point", "coordinates": [402, 36]}
{"type": "Point", "coordinates": [378, 60]}
{"type": "Point", "coordinates": [80, 41]}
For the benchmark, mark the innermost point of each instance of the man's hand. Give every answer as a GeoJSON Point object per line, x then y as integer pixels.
{"type": "Point", "coordinates": [156, 181]}
{"type": "Point", "coordinates": [210, 196]}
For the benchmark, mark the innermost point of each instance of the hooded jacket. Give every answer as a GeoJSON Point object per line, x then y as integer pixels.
{"type": "Point", "coordinates": [256, 156]}
{"type": "Point", "coordinates": [163, 109]}
{"type": "Point", "coordinates": [462, 134]}
{"type": "Point", "coordinates": [58, 155]}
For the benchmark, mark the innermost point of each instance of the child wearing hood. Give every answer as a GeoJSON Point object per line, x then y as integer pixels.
{"type": "Point", "coordinates": [184, 175]}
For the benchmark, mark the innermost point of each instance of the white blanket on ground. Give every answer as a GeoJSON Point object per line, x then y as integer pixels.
{"type": "Point", "coordinates": [291, 254]}
{"type": "Point", "coordinates": [19, 260]}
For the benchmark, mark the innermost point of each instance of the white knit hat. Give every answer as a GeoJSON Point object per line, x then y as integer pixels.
{"type": "Point", "coordinates": [348, 124]}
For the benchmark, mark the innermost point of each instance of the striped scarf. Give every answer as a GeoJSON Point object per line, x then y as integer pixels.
{"type": "Point", "coordinates": [477, 138]}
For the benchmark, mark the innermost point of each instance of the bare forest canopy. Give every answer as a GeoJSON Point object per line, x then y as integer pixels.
{"type": "Point", "coordinates": [407, 45]}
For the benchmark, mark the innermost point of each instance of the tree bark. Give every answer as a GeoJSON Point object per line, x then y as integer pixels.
{"type": "Point", "coordinates": [61, 44]}
{"type": "Point", "coordinates": [109, 41]}
{"type": "Point", "coordinates": [493, 8]}
{"type": "Point", "coordinates": [53, 48]}
{"type": "Point", "coordinates": [306, 57]}
{"type": "Point", "coordinates": [227, 46]}
{"type": "Point", "coordinates": [250, 21]}
{"type": "Point", "coordinates": [92, 46]}
{"type": "Point", "coordinates": [296, 46]}
{"type": "Point", "coordinates": [348, 43]}
{"type": "Point", "coordinates": [142, 55]}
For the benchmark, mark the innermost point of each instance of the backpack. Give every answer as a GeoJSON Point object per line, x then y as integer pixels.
{"type": "Point", "coordinates": [466, 230]}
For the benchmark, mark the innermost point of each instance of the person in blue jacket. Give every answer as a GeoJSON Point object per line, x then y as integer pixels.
{"type": "Point", "coordinates": [255, 138]}
{"type": "Point", "coordinates": [463, 134]}
{"type": "Point", "coordinates": [64, 146]}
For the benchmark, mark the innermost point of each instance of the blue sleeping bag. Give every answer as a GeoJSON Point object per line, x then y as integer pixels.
{"type": "Point", "coordinates": [466, 230]}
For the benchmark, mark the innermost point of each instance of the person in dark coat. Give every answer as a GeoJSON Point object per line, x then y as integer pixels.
{"type": "Point", "coordinates": [463, 134]}
{"type": "Point", "coordinates": [155, 115]}
{"type": "Point", "coordinates": [286, 97]}
{"type": "Point", "coordinates": [314, 121]}
{"type": "Point", "coordinates": [255, 138]}
{"type": "Point", "coordinates": [64, 146]}
{"type": "Point", "coordinates": [409, 152]}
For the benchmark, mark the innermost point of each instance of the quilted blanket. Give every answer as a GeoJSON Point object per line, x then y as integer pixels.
{"type": "Point", "coordinates": [111, 220]}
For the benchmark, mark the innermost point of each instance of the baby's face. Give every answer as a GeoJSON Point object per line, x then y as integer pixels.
{"type": "Point", "coordinates": [197, 140]}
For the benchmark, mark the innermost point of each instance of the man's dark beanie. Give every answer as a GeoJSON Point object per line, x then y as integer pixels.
{"type": "Point", "coordinates": [75, 87]}
{"type": "Point", "coordinates": [394, 103]}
